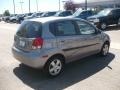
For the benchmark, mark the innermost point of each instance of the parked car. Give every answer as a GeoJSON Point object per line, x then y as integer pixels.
{"type": "Point", "coordinates": [13, 18]}
{"type": "Point", "coordinates": [106, 17]}
{"type": "Point", "coordinates": [48, 14]}
{"type": "Point", "coordinates": [0, 19]}
{"type": "Point", "coordinates": [50, 43]}
{"type": "Point", "coordinates": [34, 15]}
{"type": "Point", "coordinates": [63, 13]}
{"type": "Point", "coordinates": [6, 18]}
{"type": "Point", "coordinates": [20, 18]}
{"type": "Point", "coordinates": [83, 14]}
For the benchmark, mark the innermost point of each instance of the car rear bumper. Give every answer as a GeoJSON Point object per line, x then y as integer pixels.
{"type": "Point", "coordinates": [32, 59]}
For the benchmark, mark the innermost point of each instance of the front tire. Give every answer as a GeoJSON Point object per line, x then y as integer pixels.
{"type": "Point", "coordinates": [20, 21]}
{"type": "Point", "coordinates": [14, 21]}
{"type": "Point", "coordinates": [54, 66]}
{"type": "Point", "coordinates": [105, 49]}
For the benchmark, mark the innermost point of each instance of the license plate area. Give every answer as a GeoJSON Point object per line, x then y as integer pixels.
{"type": "Point", "coordinates": [22, 43]}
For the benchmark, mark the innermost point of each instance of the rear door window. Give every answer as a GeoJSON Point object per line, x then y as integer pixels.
{"type": "Point", "coordinates": [30, 29]}
{"type": "Point", "coordinates": [65, 28]}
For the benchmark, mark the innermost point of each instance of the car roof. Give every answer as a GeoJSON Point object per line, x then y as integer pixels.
{"type": "Point", "coordinates": [50, 19]}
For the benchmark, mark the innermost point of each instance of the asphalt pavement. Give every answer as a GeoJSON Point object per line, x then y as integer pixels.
{"type": "Point", "coordinates": [91, 73]}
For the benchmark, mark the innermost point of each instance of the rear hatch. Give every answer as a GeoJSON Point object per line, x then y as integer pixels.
{"type": "Point", "coordinates": [28, 36]}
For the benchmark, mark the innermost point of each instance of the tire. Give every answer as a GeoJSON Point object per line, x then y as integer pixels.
{"type": "Point", "coordinates": [54, 66]}
{"type": "Point", "coordinates": [21, 21]}
{"type": "Point", "coordinates": [14, 21]}
{"type": "Point", "coordinates": [119, 22]}
{"type": "Point", "coordinates": [7, 21]}
{"type": "Point", "coordinates": [105, 49]}
{"type": "Point", "coordinates": [103, 26]}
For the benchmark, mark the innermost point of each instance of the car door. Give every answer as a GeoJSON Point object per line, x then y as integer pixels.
{"type": "Point", "coordinates": [112, 17]}
{"type": "Point", "coordinates": [117, 15]}
{"type": "Point", "coordinates": [66, 34]}
{"type": "Point", "coordinates": [89, 40]}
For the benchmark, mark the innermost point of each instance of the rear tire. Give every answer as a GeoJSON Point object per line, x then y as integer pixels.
{"type": "Point", "coordinates": [14, 21]}
{"type": "Point", "coordinates": [20, 21]}
{"type": "Point", "coordinates": [105, 49]}
{"type": "Point", "coordinates": [54, 66]}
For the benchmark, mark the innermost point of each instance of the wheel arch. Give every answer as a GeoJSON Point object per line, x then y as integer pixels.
{"type": "Point", "coordinates": [56, 55]}
{"type": "Point", "coordinates": [108, 42]}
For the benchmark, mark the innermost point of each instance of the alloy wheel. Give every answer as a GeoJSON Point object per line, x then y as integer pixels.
{"type": "Point", "coordinates": [55, 67]}
{"type": "Point", "coordinates": [105, 49]}
{"type": "Point", "coordinates": [103, 26]}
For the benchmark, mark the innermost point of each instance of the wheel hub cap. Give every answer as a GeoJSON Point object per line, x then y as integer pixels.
{"type": "Point", "coordinates": [55, 67]}
{"type": "Point", "coordinates": [103, 26]}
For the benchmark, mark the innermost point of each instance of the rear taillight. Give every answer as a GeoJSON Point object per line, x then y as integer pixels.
{"type": "Point", "coordinates": [37, 43]}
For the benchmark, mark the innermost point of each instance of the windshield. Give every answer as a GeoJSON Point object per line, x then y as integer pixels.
{"type": "Point", "coordinates": [104, 12]}
{"type": "Point", "coordinates": [33, 15]}
{"type": "Point", "coordinates": [57, 14]}
{"type": "Point", "coordinates": [43, 14]}
{"type": "Point", "coordinates": [47, 14]}
{"type": "Point", "coordinates": [77, 13]}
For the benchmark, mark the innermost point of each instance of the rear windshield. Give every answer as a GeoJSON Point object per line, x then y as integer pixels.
{"type": "Point", "coordinates": [30, 29]}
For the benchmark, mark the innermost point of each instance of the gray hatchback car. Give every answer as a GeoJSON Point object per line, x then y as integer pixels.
{"type": "Point", "coordinates": [50, 43]}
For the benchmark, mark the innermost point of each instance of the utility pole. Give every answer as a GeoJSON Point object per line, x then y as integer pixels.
{"type": "Point", "coordinates": [114, 4]}
{"type": "Point", "coordinates": [59, 5]}
{"type": "Point", "coordinates": [85, 4]}
{"type": "Point", "coordinates": [37, 5]}
{"type": "Point", "coordinates": [29, 6]}
{"type": "Point", "coordinates": [14, 6]}
{"type": "Point", "coordinates": [21, 3]}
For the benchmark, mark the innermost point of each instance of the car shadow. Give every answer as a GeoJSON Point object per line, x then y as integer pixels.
{"type": "Point", "coordinates": [73, 73]}
{"type": "Point", "coordinates": [113, 28]}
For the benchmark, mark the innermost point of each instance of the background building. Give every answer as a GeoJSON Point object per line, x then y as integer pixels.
{"type": "Point", "coordinates": [99, 4]}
